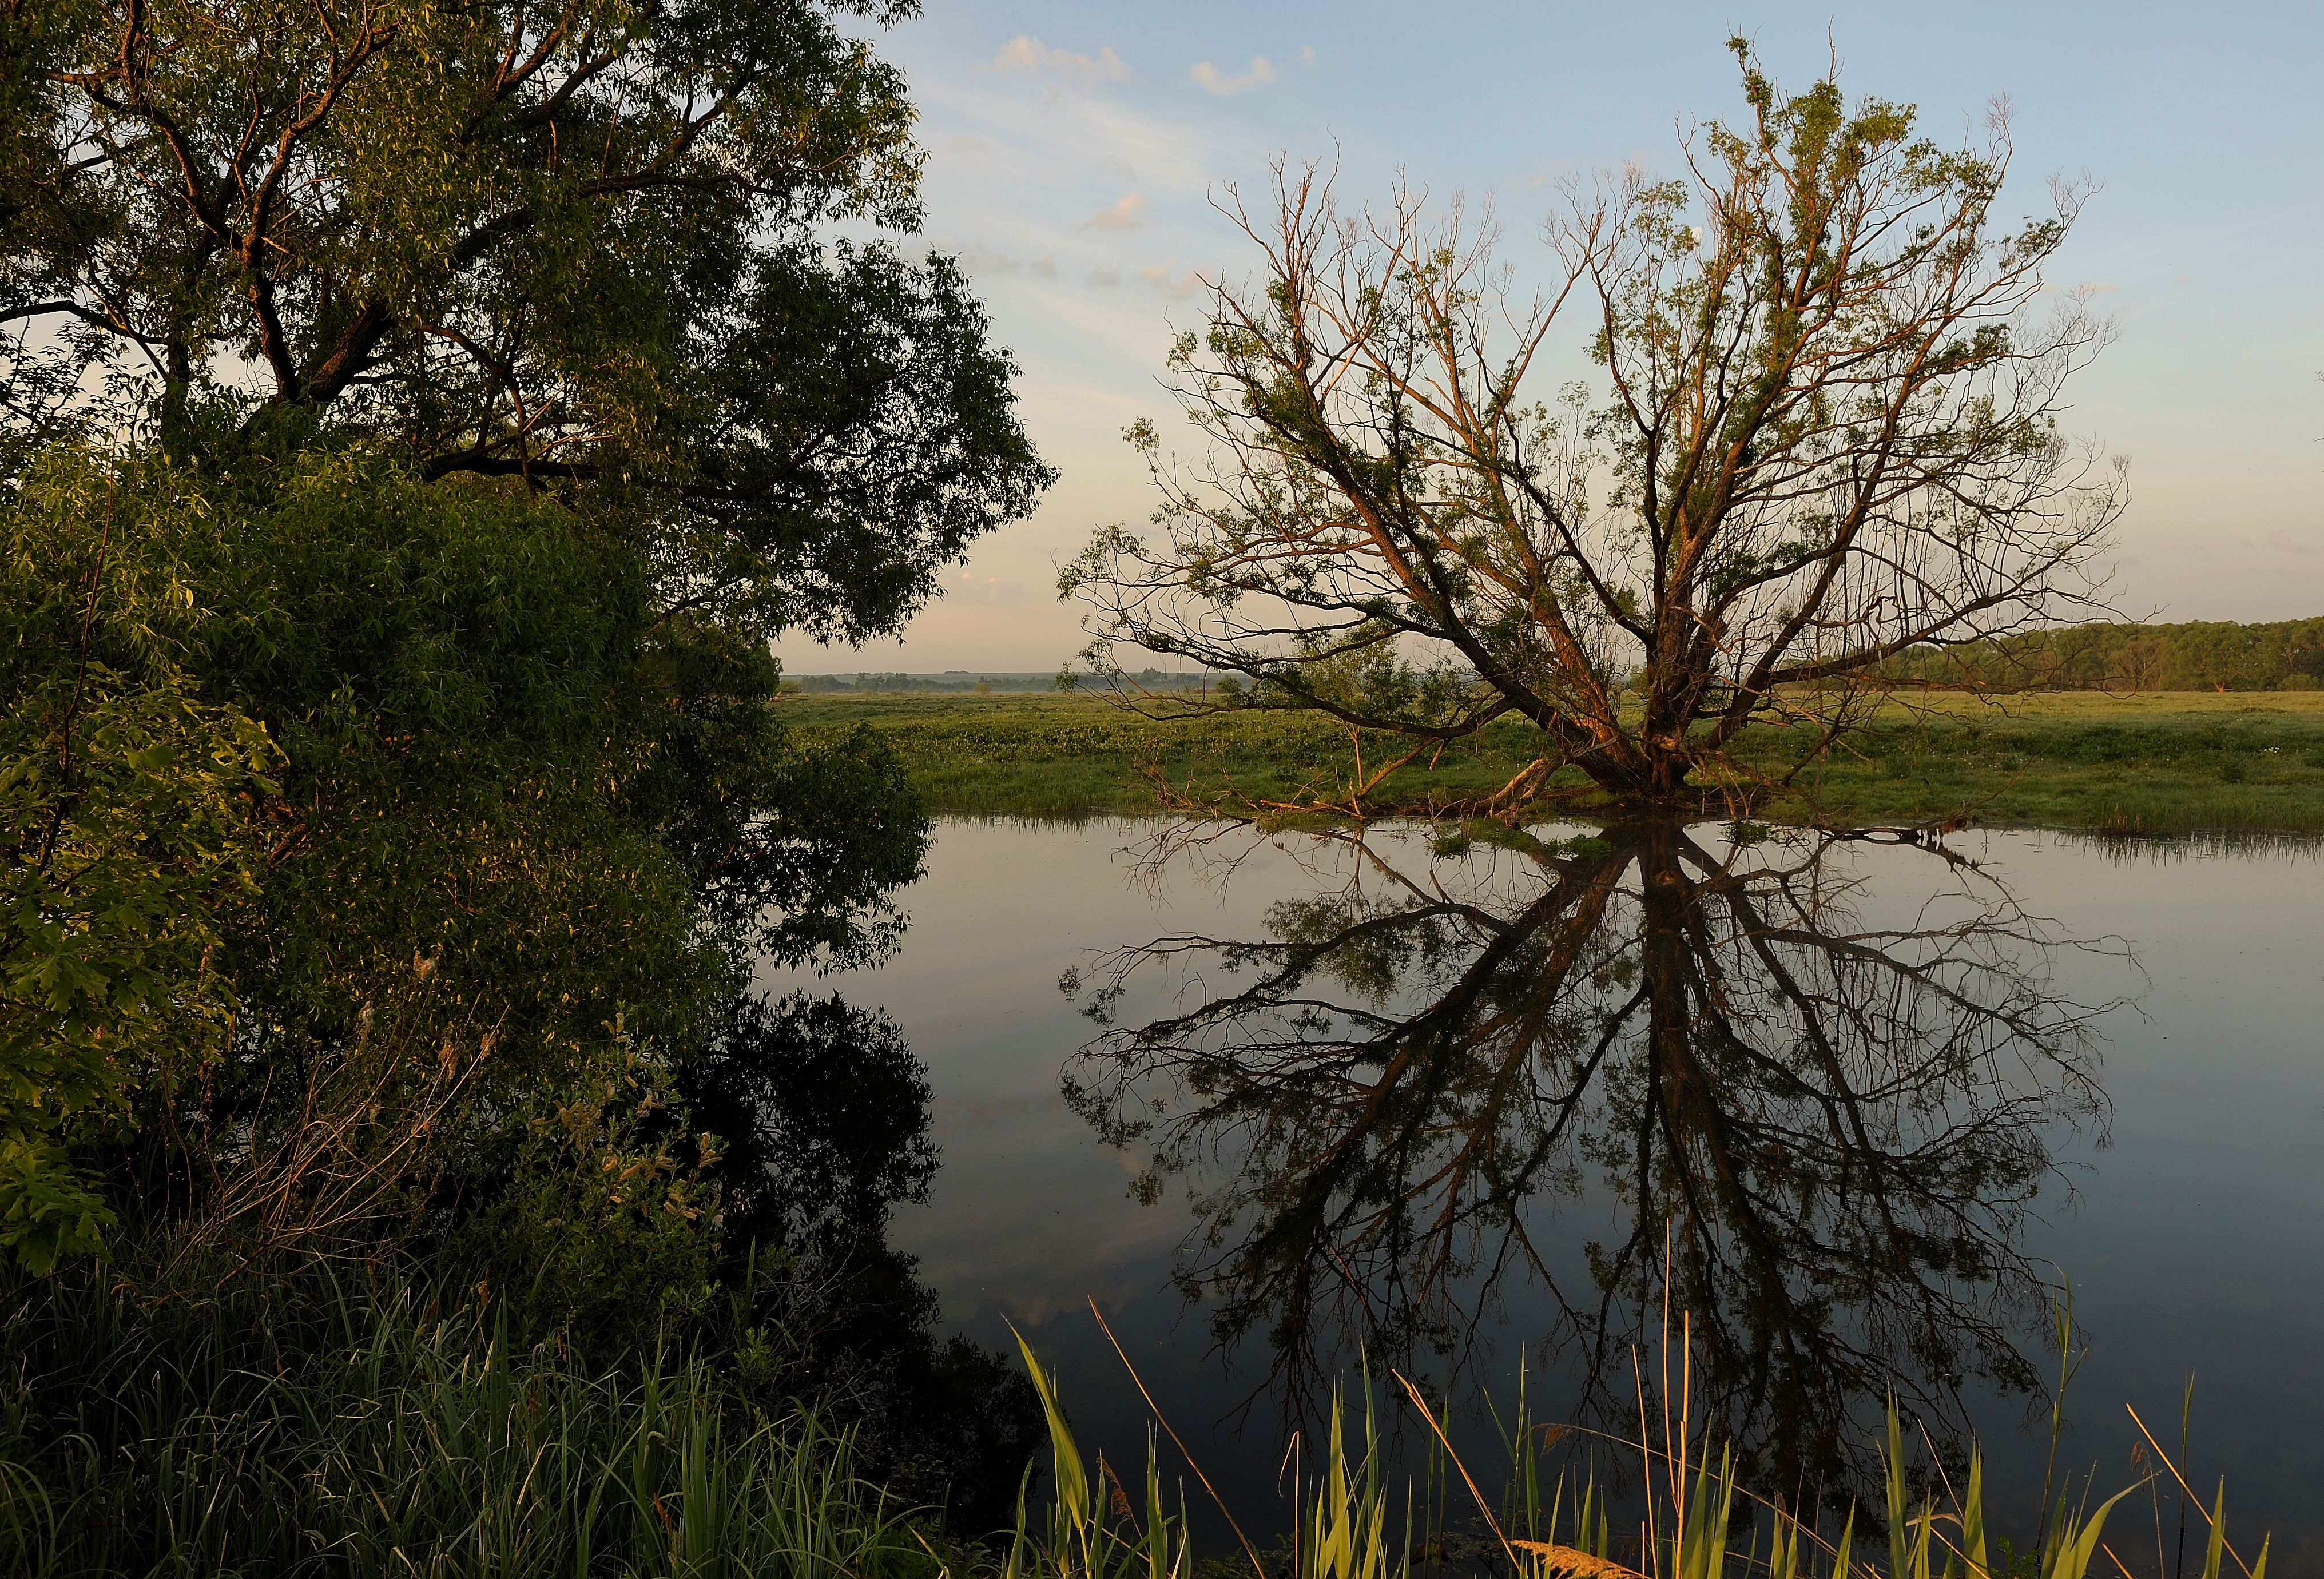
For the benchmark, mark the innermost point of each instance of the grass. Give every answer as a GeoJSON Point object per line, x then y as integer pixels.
{"type": "Point", "coordinates": [2172, 762]}
{"type": "Point", "coordinates": [1686, 1515]}
{"type": "Point", "coordinates": [354, 1427]}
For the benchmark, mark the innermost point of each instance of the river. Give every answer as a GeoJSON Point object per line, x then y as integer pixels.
{"type": "Point", "coordinates": [1281, 1106]}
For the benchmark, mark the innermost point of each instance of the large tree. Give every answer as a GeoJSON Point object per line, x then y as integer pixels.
{"type": "Point", "coordinates": [415, 418]}
{"type": "Point", "coordinates": [1812, 426]}
{"type": "Point", "coordinates": [578, 242]}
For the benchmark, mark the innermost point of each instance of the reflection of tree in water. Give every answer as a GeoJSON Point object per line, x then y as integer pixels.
{"type": "Point", "coordinates": [824, 1109]}
{"type": "Point", "coordinates": [1841, 1124]}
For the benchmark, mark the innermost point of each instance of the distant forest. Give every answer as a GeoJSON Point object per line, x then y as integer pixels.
{"type": "Point", "coordinates": [865, 682]}
{"type": "Point", "coordinates": [2203, 654]}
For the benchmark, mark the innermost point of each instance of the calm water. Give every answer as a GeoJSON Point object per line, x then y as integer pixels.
{"type": "Point", "coordinates": [1869, 1105]}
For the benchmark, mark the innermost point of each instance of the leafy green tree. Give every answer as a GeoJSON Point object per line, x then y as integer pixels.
{"type": "Point", "coordinates": [578, 245]}
{"type": "Point", "coordinates": [483, 388]}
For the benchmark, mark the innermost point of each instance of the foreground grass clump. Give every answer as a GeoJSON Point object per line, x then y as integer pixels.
{"type": "Point", "coordinates": [363, 1426]}
{"type": "Point", "coordinates": [1684, 1517]}
{"type": "Point", "coordinates": [2160, 763]}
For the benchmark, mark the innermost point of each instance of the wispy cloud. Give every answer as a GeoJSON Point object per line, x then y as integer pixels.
{"type": "Point", "coordinates": [1130, 213]}
{"type": "Point", "coordinates": [1175, 285]}
{"type": "Point", "coordinates": [1216, 81]}
{"type": "Point", "coordinates": [980, 259]}
{"type": "Point", "coordinates": [972, 588]}
{"type": "Point", "coordinates": [1051, 139]}
{"type": "Point", "coordinates": [1027, 53]}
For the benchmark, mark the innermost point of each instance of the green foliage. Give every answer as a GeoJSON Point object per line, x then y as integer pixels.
{"type": "Point", "coordinates": [416, 421]}
{"type": "Point", "coordinates": [578, 247]}
{"type": "Point", "coordinates": [481, 388]}
{"type": "Point", "coordinates": [279, 740]}
{"type": "Point", "coordinates": [600, 1231]}
{"type": "Point", "coordinates": [129, 827]}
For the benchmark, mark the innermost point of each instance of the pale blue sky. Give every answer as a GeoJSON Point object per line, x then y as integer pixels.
{"type": "Point", "coordinates": [1075, 152]}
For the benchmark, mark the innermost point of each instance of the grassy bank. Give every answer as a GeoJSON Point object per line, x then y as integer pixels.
{"type": "Point", "coordinates": [2149, 763]}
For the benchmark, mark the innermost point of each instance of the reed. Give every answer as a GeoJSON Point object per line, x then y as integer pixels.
{"type": "Point", "coordinates": [1684, 1514]}
{"type": "Point", "coordinates": [1340, 1526]}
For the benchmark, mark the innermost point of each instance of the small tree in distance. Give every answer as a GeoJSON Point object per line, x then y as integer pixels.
{"type": "Point", "coordinates": [1822, 436]}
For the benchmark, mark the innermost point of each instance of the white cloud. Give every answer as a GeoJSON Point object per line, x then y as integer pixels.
{"type": "Point", "coordinates": [1211, 78]}
{"type": "Point", "coordinates": [1130, 213]}
{"type": "Point", "coordinates": [1171, 154]}
{"type": "Point", "coordinates": [1027, 53]}
{"type": "Point", "coordinates": [1306, 54]}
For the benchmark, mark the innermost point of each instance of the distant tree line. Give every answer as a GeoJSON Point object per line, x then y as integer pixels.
{"type": "Point", "coordinates": [865, 681]}
{"type": "Point", "coordinates": [2202, 655]}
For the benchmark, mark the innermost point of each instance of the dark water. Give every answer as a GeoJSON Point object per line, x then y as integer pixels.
{"type": "Point", "coordinates": [1861, 1110]}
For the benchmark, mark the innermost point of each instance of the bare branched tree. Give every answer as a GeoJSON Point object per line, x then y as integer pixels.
{"type": "Point", "coordinates": [1822, 433]}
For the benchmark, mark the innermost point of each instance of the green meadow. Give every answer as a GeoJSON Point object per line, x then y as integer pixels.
{"type": "Point", "coordinates": [2160, 762]}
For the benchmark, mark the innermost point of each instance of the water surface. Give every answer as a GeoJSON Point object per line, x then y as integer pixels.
{"type": "Point", "coordinates": [1869, 1107]}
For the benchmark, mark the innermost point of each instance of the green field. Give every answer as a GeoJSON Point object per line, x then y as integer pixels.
{"type": "Point", "coordinates": [2165, 762]}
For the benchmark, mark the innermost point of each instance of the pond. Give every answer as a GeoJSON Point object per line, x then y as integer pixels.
{"type": "Point", "coordinates": [1861, 1110]}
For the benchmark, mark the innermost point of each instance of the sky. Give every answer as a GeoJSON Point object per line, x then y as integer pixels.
{"type": "Point", "coordinates": [1079, 156]}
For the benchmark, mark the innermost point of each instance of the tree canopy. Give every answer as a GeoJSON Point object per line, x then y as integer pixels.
{"type": "Point", "coordinates": [583, 244]}
{"type": "Point", "coordinates": [1813, 422]}
{"type": "Point", "coordinates": [415, 421]}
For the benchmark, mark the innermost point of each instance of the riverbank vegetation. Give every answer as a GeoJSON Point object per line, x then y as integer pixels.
{"type": "Point", "coordinates": [353, 1423]}
{"type": "Point", "coordinates": [356, 1423]}
{"type": "Point", "coordinates": [394, 806]}
{"type": "Point", "coordinates": [2163, 763]}
{"type": "Point", "coordinates": [1650, 1507]}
